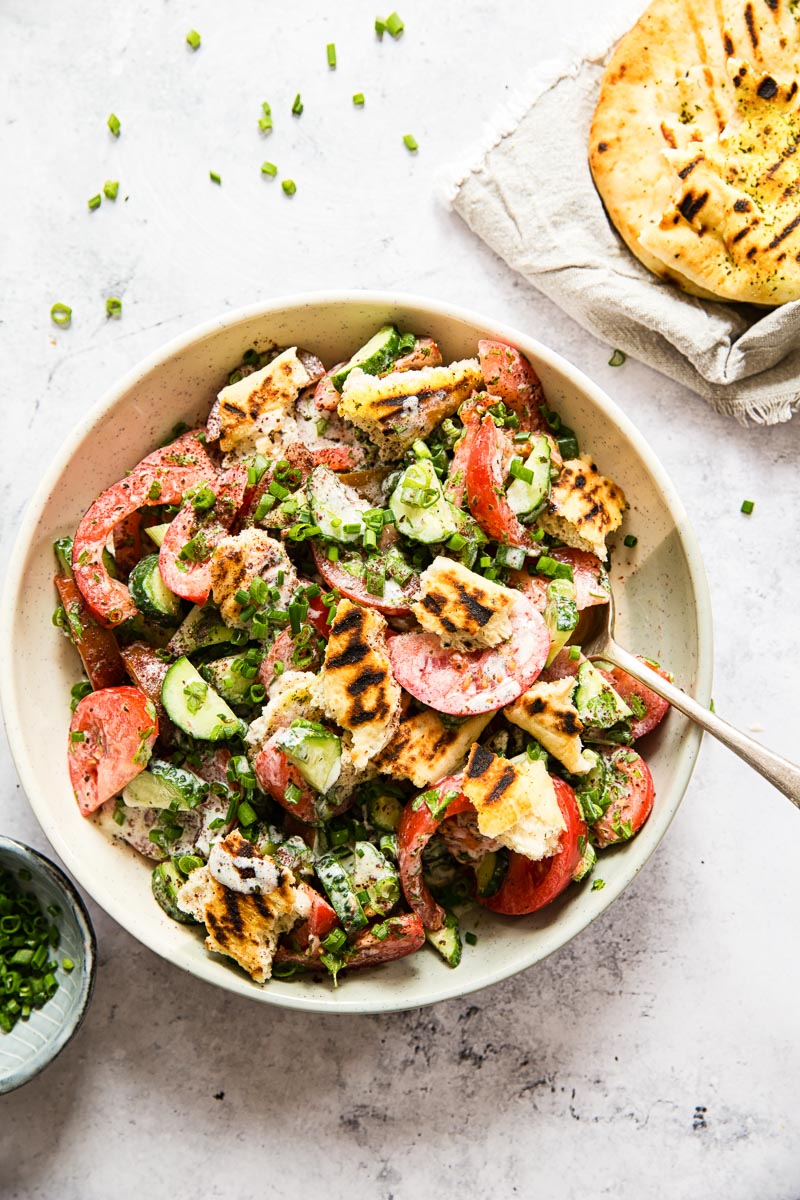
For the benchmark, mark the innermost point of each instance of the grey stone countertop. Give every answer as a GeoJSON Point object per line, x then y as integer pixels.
{"type": "Point", "coordinates": [658, 1053]}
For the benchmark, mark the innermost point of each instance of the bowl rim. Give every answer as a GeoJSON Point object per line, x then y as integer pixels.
{"type": "Point", "coordinates": [450, 987]}
{"type": "Point", "coordinates": [66, 1032]}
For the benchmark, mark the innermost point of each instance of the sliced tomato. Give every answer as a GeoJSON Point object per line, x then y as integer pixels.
{"type": "Point", "coordinates": [528, 886]}
{"type": "Point", "coordinates": [326, 396]}
{"type": "Point", "coordinates": [295, 657]}
{"type": "Point", "coordinates": [417, 827]}
{"type": "Point", "coordinates": [319, 923]}
{"type": "Point", "coordinates": [338, 458]}
{"type": "Point", "coordinates": [485, 478]}
{"type": "Point", "coordinates": [111, 737]}
{"type": "Point", "coordinates": [147, 671]}
{"type": "Point", "coordinates": [96, 645]}
{"type": "Point", "coordinates": [655, 709]}
{"type": "Point", "coordinates": [425, 354]}
{"type": "Point", "coordinates": [509, 376]}
{"type": "Point", "coordinates": [395, 601]}
{"type": "Point", "coordinates": [478, 681]}
{"type": "Point", "coordinates": [191, 580]}
{"type": "Point", "coordinates": [161, 478]}
{"type": "Point", "coordinates": [401, 935]}
{"type": "Point", "coordinates": [274, 773]}
{"type": "Point", "coordinates": [129, 543]}
{"type": "Point", "coordinates": [562, 667]}
{"type": "Point", "coordinates": [633, 792]}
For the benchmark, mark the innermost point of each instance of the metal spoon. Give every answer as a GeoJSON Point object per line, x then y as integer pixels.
{"type": "Point", "coordinates": [781, 773]}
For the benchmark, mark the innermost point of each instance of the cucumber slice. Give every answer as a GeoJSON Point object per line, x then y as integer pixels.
{"type": "Point", "coordinates": [166, 881]}
{"type": "Point", "coordinates": [315, 751]}
{"type": "Point", "coordinates": [227, 681]}
{"type": "Point", "coordinates": [524, 496]}
{"type": "Point", "coordinates": [381, 350]}
{"type": "Point", "coordinates": [157, 533]}
{"type": "Point", "coordinates": [202, 627]}
{"type": "Point", "coordinates": [195, 707]}
{"type": "Point", "coordinates": [163, 785]}
{"type": "Point", "coordinates": [431, 520]}
{"type": "Point", "coordinates": [491, 872]}
{"type": "Point", "coordinates": [447, 940]}
{"type": "Point", "coordinates": [336, 509]}
{"type": "Point", "coordinates": [560, 614]}
{"type": "Point", "coordinates": [385, 811]}
{"type": "Point", "coordinates": [341, 893]}
{"type": "Point", "coordinates": [599, 705]}
{"type": "Point", "coordinates": [377, 875]}
{"type": "Point", "coordinates": [151, 595]}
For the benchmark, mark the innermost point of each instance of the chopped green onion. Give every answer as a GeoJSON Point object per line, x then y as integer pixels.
{"type": "Point", "coordinates": [598, 885]}
{"type": "Point", "coordinates": [550, 566]}
{"type": "Point", "coordinates": [331, 51]}
{"type": "Point", "coordinates": [394, 25]}
{"type": "Point", "coordinates": [410, 143]}
{"type": "Point", "coordinates": [630, 540]}
{"type": "Point", "coordinates": [247, 814]}
{"type": "Point", "coordinates": [456, 542]}
{"type": "Point", "coordinates": [265, 505]}
{"type": "Point", "coordinates": [61, 314]}
{"type": "Point", "coordinates": [67, 964]}
{"type": "Point", "coordinates": [114, 124]}
{"type": "Point", "coordinates": [292, 793]}
{"type": "Point", "coordinates": [617, 358]}
{"type": "Point", "coordinates": [110, 189]}
{"type": "Point", "coordinates": [574, 653]}
{"type": "Point", "coordinates": [268, 168]}
{"type": "Point", "coordinates": [521, 472]}
{"type": "Point", "coordinates": [193, 38]}
{"type": "Point", "coordinates": [568, 444]}
{"type": "Point", "coordinates": [95, 201]}
{"type": "Point", "coordinates": [289, 186]}
{"type": "Point", "coordinates": [747, 506]}
{"type": "Point", "coordinates": [358, 99]}
{"type": "Point", "coordinates": [335, 939]}
{"type": "Point", "coordinates": [471, 938]}
{"type": "Point", "coordinates": [265, 108]}
{"type": "Point", "coordinates": [380, 27]}
{"type": "Point", "coordinates": [214, 177]}
{"type": "Point", "coordinates": [333, 553]}
{"type": "Point", "coordinates": [297, 106]}
{"type": "Point", "coordinates": [113, 307]}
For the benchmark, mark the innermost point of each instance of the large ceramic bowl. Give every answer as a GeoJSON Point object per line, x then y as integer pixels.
{"type": "Point", "coordinates": [662, 599]}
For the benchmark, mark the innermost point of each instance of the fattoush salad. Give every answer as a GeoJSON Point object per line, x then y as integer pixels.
{"type": "Point", "coordinates": [334, 686]}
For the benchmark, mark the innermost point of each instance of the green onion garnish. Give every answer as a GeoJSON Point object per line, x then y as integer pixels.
{"type": "Point", "coordinates": [292, 793]}
{"type": "Point", "coordinates": [471, 938]}
{"type": "Point", "coordinates": [114, 124]}
{"type": "Point", "coordinates": [61, 314]}
{"type": "Point", "coordinates": [214, 177]}
{"type": "Point", "coordinates": [331, 52]}
{"type": "Point", "coordinates": [574, 653]}
{"type": "Point", "coordinates": [110, 189]}
{"type": "Point", "coordinates": [747, 506]}
{"type": "Point", "coordinates": [193, 38]}
{"type": "Point", "coordinates": [26, 942]}
{"type": "Point", "coordinates": [297, 107]}
{"type": "Point", "coordinates": [394, 25]}
{"type": "Point", "coordinates": [67, 964]}
{"type": "Point", "coordinates": [113, 307]}
{"type": "Point", "coordinates": [358, 99]}
{"type": "Point", "coordinates": [380, 27]}
{"type": "Point", "coordinates": [521, 472]}
{"type": "Point", "coordinates": [265, 124]}
{"type": "Point", "coordinates": [630, 540]}
{"type": "Point", "coordinates": [598, 885]}
{"type": "Point", "coordinates": [268, 168]}
{"type": "Point", "coordinates": [289, 186]}
{"type": "Point", "coordinates": [410, 143]}
{"type": "Point", "coordinates": [95, 201]}
{"type": "Point", "coordinates": [247, 814]}
{"type": "Point", "coordinates": [617, 358]}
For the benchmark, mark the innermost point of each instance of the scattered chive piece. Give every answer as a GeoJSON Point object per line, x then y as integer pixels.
{"type": "Point", "coordinates": [214, 177]}
{"type": "Point", "coordinates": [471, 938]}
{"type": "Point", "coordinates": [297, 107]}
{"type": "Point", "coordinates": [380, 27]}
{"type": "Point", "coordinates": [193, 38]}
{"type": "Point", "coordinates": [331, 51]}
{"type": "Point", "coordinates": [598, 885]}
{"type": "Point", "coordinates": [617, 358]}
{"type": "Point", "coordinates": [114, 124]}
{"type": "Point", "coordinates": [110, 189]}
{"type": "Point", "coordinates": [410, 143]}
{"type": "Point", "coordinates": [95, 201]}
{"type": "Point", "coordinates": [268, 168]}
{"type": "Point", "coordinates": [113, 307]}
{"type": "Point", "coordinates": [574, 653]}
{"type": "Point", "coordinates": [289, 186]}
{"type": "Point", "coordinates": [631, 540]}
{"type": "Point", "coordinates": [394, 25]}
{"type": "Point", "coordinates": [358, 99]}
{"type": "Point", "coordinates": [266, 109]}
{"type": "Point", "coordinates": [61, 313]}
{"type": "Point", "coordinates": [747, 506]}
{"type": "Point", "coordinates": [265, 123]}
{"type": "Point", "coordinates": [711, 707]}
{"type": "Point", "coordinates": [67, 964]}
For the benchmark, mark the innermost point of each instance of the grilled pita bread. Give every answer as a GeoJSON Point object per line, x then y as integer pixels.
{"type": "Point", "coordinates": [693, 146]}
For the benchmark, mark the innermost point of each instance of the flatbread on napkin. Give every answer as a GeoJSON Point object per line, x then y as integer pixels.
{"type": "Point", "coordinates": [693, 146]}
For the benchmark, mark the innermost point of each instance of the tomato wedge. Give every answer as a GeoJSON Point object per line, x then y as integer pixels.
{"type": "Point", "coordinates": [456, 482]}
{"type": "Point", "coordinates": [655, 709]}
{"type": "Point", "coordinates": [528, 885]}
{"type": "Point", "coordinates": [147, 671]}
{"type": "Point", "coordinates": [633, 793]}
{"type": "Point", "coordinates": [338, 458]}
{"type": "Point", "coordinates": [319, 923]}
{"type": "Point", "coordinates": [588, 573]}
{"type": "Point", "coordinates": [395, 601]}
{"type": "Point", "coordinates": [485, 495]}
{"type": "Point", "coordinates": [404, 934]}
{"type": "Point", "coordinates": [478, 681]}
{"type": "Point", "coordinates": [96, 645]}
{"type": "Point", "coordinates": [274, 773]}
{"type": "Point", "coordinates": [161, 478]}
{"type": "Point", "coordinates": [129, 543]}
{"type": "Point", "coordinates": [326, 397]}
{"type": "Point", "coordinates": [508, 375]}
{"type": "Point", "coordinates": [111, 737]}
{"type": "Point", "coordinates": [190, 579]}
{"type": "Point", "coordinates": [417, 827]}
{"type": "Point", "coordinates": [424, 354]}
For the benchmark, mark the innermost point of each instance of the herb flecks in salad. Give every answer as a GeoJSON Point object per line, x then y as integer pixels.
{"type": "Point", "coordinates": [334, 685]}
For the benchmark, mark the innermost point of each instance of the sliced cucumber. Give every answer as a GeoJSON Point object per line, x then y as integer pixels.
{"type": "Point", "coordinates": [419, 508]}
{"type": "Point", "coordinates": [337, 510]}
{"type": "Point", "coordinates": [377, 875]}
{"type": "Point", "coordinates": [195, 707]}
{"type": "Point", "coordinates": [491, 872]}
{"type": "Point", "coordinates": [151, 595]}
{"type": "Point", "coordinates": [157, 533]}
{"type": "Point", "coordinates": [315, 751]}
{"type": "Point", "coordinates": [447, 940]}
{"type": "Point", "coordinates": [163, 785]}
{"type": "Point", "coordinates": [380, 351]}
{"type": "Point", "coordinates": [202, 627]}
{"type": "Point", "coordinates": [560, 614]}
{"type": "Point", "coordinates": [227, 681]}
{"type": "Point", "coordinates": [385, 811]}
{"type": "Point", "coordinates": [166, 882]}
{"type": "Point", "coordinates": [527, 495]}
{"type": "Point", "coordinates": [341, 892]}
{"type": "Point", "coordinates": [599, 705]}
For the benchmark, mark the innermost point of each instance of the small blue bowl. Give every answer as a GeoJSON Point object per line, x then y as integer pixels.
{"type": "Point", "coordinates": [34, 1043]}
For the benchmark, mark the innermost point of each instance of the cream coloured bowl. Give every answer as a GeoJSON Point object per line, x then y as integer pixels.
{"type": "Point", "coordinates": [660, 586]}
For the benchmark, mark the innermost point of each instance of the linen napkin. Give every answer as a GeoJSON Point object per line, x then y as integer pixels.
{"type": "Point", "coordinates": [529, 194]}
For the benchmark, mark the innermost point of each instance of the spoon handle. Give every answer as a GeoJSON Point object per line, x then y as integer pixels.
{"type": "Point", "coordinates": [781, 773]}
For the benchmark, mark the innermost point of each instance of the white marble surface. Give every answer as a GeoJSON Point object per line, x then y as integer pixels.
{"type": "Point", "coordinates": [658, 1054]}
